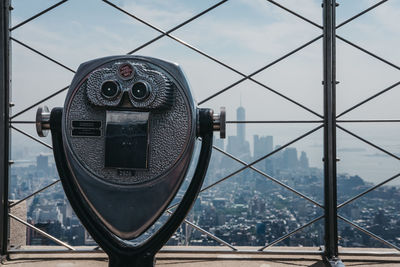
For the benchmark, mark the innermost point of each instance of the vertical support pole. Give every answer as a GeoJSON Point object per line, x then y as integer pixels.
{"type": "Point", "coordinates": [330, 189]}
{"type": "Point", "coordinates": [4, 124]}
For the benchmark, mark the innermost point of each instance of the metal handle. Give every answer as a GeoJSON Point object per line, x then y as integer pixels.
{"type": "Point", "coordinates": [219, 122]}
{"type": "Point", "coordinates": [42, 121]}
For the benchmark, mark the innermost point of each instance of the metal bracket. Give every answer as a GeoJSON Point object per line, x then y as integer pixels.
{"type": "Point", "coordinates": [42, 121]}
{"type": "Point", "coordinates": [335, 262]}
{"type": "Point", "coordinates": [219, 122]}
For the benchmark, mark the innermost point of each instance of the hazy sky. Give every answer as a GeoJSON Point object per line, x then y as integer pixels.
{"type": "Point", "coordinates": [246, 35]}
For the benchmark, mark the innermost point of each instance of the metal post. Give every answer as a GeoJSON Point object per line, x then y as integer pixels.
{"type": "Point", "coordinates": [329, 61]}
{"type": "Point", "coordinates": [4, 125]}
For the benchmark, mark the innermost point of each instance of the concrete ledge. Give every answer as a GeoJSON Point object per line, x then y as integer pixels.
{"type": "Point", "coordinates": [205, 256]}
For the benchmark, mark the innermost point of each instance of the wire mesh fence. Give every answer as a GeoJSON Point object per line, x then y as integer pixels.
{"type": "Point", "coordinates": [260, 195]}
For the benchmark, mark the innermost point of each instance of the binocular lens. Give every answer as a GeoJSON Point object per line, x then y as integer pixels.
{"type": "Point", "coordinates": [140, 91]}
{"type": "Point", "coordinates": [109, 89]}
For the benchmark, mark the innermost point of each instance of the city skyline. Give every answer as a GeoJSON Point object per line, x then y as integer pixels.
{"type": "Point", "coordinates": [247, 203]}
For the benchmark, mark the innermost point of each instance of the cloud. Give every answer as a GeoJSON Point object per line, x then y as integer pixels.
{"type": "Point", "coordinates": [160, 12]}
{"type": "Point", "coordinates": [244, 34]}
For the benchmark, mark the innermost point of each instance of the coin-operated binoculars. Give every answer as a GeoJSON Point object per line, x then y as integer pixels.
{"type": "Point", "coordinates": [122, 144]}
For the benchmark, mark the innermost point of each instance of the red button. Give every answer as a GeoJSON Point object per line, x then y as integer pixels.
{"type": "Point", "coordinates": [126, 71]}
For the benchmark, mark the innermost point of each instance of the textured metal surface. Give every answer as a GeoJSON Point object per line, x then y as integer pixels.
{"type": "Point", "coordinates": [127, 253]}
{"type": "Point", "coordinates": [161, 95]}
{"type": "Point", "coordinates": [168, 139]}
{"type": "Point", "coordinates": [144, 193]}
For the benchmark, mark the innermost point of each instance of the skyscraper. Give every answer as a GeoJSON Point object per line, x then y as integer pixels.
{"type": "Point", "coordinates": [237, 145]}
{"type": "Point", "coordinates": [262, 145]}
{"type": "Point", "coordinates": [304, 160]}
{"type": "Point", "coordinates": [241, 127]}
{"type": "Point", "coordinates": [290, 160]}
